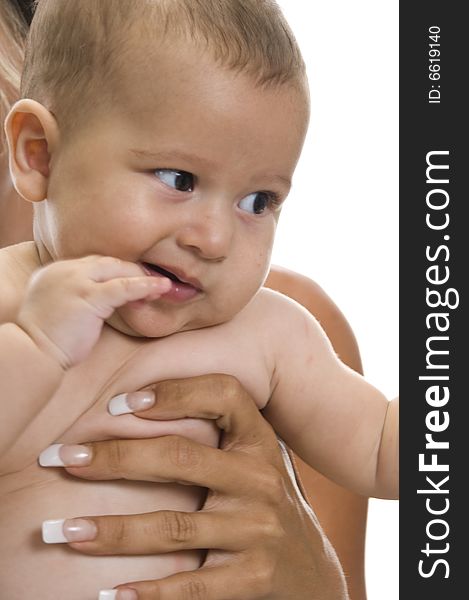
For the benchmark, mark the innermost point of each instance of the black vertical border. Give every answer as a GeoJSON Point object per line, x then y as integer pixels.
{"type": "Point", "coordinates": [426, 127]}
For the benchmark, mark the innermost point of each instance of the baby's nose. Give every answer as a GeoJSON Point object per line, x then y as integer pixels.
{"type": "Point", "coordinates": [210, 233]}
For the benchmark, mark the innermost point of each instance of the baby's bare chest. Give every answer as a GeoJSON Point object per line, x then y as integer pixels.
{"type": "Point", "coordinates": [78, 411]}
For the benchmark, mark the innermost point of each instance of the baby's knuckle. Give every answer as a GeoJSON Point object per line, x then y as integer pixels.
{"type": "Point", "coordinates": [183, 453]}
{"type": "Point", "coordinates": [178, 527]}
{"type": "Point", "coordinates": [44, 275]}
{"type": "Point", "coordinates": [125, 284]}
{"type": "Point", "coordinates": [87, 293]}
{"type": "Point", "coordinates": [105, 261]}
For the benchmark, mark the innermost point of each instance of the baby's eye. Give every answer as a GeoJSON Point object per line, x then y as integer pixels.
{"type": "Point", "coordinates": [258, 202]}
{"type": "Point", "coordinates": [182, 181]}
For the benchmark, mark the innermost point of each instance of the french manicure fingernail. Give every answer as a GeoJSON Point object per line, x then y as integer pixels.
{"type": "Point", "coordinates": [107, 595]}
{"type": "Point", "coordinates": [129, 403]}
{"type": "Point", "coordinates": [61, 455]}
{"type": "Point", "coordinates": [118, 595]}
{"type": "Point", "coordinates": [62, 531]}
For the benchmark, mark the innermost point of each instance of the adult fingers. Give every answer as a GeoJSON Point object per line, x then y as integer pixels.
{"type": "Point", "coordinates": [218, 397]}
{"type": "Point", "coordinates": [167, 459]}
{"type": "Point", "coordinates": [209, 583]}
{"type": "Point", "coordinates": [163, 531]}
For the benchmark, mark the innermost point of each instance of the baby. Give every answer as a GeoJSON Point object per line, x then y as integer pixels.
{"type": "Point", "coordinates": [157, 140]}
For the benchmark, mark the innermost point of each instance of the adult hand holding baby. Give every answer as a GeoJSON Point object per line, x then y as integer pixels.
{"type": "Point", "coordinates": [263, 540]}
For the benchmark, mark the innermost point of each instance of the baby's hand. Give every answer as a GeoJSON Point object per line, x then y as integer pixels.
{"type": "Point", "coordinates": [67, 302]}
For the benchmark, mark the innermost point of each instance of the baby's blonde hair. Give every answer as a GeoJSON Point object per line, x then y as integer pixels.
{"type": "Point", "coordinates": [13, 30]}
{"type": "Point", "coordinates": [76, 48]}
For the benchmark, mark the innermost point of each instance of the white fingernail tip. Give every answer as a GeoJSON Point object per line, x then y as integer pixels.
{"type": "Point", "coordinates": [107, 595]}
{"type": "Point", "coordinates": [52, 532]}
{"type": "Point", "coordinates": [119, 406]}
{"type": "Point", "coordinates": [50, 456]}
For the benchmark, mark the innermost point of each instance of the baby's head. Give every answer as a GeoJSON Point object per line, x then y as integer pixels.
{"type": "Point", "coordinates": [166, 133]}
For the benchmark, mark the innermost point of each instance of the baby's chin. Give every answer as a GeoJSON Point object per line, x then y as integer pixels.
{"type": "Point", "coordinates": [143, 320]}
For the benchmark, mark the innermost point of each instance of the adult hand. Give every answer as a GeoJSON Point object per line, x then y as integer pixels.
{"type": "Point", "coordinates": [263, 539]}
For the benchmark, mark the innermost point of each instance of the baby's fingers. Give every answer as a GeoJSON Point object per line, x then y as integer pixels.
{"type": "Point", "coordinates": [117, 292]}
{"type": "Point", "coordinates": [104, 268]}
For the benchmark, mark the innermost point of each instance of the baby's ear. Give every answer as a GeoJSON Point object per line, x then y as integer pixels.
{"type": "Point", "coordinates": [32, 134]}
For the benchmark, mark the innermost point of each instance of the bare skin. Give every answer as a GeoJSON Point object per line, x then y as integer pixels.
{"type": "Point", "coordinates": [218, 348]}
{"type": "Point", "coordinates": [277, 552]}
{"type": "Point", "coordinates": [297, 595]}
{"type": "Point", "coordinates": [338, 510]}
{"type": "Point", "coordinates": [16, 215]}
{"type": "Point", "coordinates": [342, 514]}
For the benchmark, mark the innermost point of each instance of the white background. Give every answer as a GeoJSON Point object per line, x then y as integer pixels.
{"type": "Point", "coordinates": [340, 223]}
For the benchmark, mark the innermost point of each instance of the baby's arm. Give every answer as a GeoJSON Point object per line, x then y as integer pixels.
{"type": "Point", "coordinates": [328, 414]}
{"type": "Point", "coordinates": [58, 323]}
{"type": "Point", "coordinates": [28, 378]}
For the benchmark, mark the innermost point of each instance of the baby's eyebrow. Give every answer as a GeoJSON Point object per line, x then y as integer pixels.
{"type": "Point", "coordinates": [285, 181]}
{"type": "Point", "coordinates": [172, 156]}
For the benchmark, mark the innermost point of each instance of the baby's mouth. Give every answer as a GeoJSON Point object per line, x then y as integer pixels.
{"type": "Point", "coordinates": [183, 288]}
{"type": "Point", "coordinates": [161, 271]}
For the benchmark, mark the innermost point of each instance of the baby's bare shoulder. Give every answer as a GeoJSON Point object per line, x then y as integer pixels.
{"type": "Point", "coordinates": [280, 320]}
{"type": "Point", "coordinates": [274, 305]}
